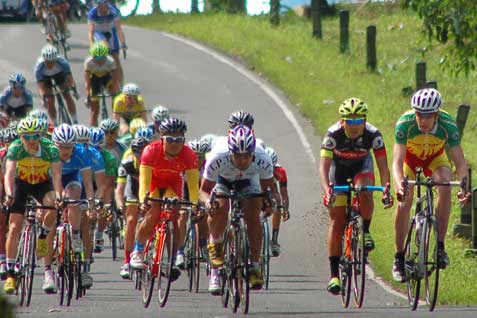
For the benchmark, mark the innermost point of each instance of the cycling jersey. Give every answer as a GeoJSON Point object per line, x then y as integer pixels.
{"type": "Point", "coordinates": [128, 172]}
{"type": "Point", "coordinates": [33, 169]}
{"type": "Point", "coordinates": [346, 151]}
{"type": "Point", "coordinates": [158, 172]}
{"type": "Point", "coordinates": [126, 139]}
{"type": "Point", "coordinates": [426, 150]}
{"type": "Point", "coordinates": [95, 69]}
{"type": "Point", "coordinates": [79, 161]}
{"type": "Point", "coordinates": [104, 29]}
{"type": "Point", "coordinates": [8, 100]}
{"type": "Point", "coordinates": [280, 175]}
{"type": "Point", "coordinates": [97, 161]}
{"type": "Point", "coordinates": [42, 73]}
{"type": "Point", "coordinates": [118, 150]}
{"type": "Point", "coordinates": [128, 113]}
{"type": "Point", "coordinates": [110, 162]}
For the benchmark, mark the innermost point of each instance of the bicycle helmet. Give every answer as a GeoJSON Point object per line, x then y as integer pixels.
{"type": "Point", "coordinates": [9, 135]}
{"type": "Point", "coordinates": [96, 137]}
{"type": "Point", "coordinates": [49, 53]}
{"type": "Point", "coordinates": [144, 132]}
{"type": "Point", "coordinates": [131, 89]}
{"type": "Point", "coordinates": [208, 139]}
{"type": "Point", "coordinates": [64, 135]}
{"type": "Point", "coordinates": [138, 144]}
{"type": "Point", "coordinates": [353, 106]}
{"type": "Point", "coordinates": [273, 155]}
{"type": "Point", "coordinates": [109, 125]}
{"type": "Point", "coordinates": [28, 126]}
{"type": "Point", "coordinates": [241, 118]}
{"type": "Point", "coordinates": [241, 139]}
{"type": "Point", "coordinates": [199, 147]}
{"type": "Point", "coordinates": [135, 124]}
{"type": "Point", "coordinates": [44, 125]}
{"type": "Point", "coordinates": [427, 100]}
{"type": "Point", "coordinates": [13, 124]}
{"type": "Point", "coordinates": [40, 114]}
{"type": "Point", "coordinates": [99, 49]}
{"type": "Point", "coordinates": [17, 79]}
{"type": "Point", "coordinates": [159, 113]}
{"type": "Point", "coordinates": [100, 1]}
{"type": "Point", "coordinates": [173, 125]}
{"type": "Point", "coordinates": [82, 133]}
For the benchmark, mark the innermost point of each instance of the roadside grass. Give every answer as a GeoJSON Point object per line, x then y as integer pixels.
{"type": "Point", "coordinates": [317, 78]}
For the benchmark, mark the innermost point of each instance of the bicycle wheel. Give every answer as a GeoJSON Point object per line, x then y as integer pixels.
{"type": "Point", "coordinates": [197, 258]}
{"type": "Point", "coordinates": [431, 260]}
{"type": "Point", "coordinates": [345, 270]}
{"type": "Point", "coordinates": [104, 107]}
{"type": "Point", "coordinates": [243, 271]}
{"type": "Point", "coordinates": [63, 114]}
{"type": "Point", "coordinates": [226, 270]}
{"type": "Point", "coordinates": [411, 269]}
{"type": "Point", "coordinates": [30, 269]}
{"type": "Point", "coordinates": [60, 272]}
{"type": "Point", "coordinates": [150, 271]}
{"type": "Point", "coordinates": [114, 238]}
{"type": "Point", "coordinates": [166, 259]}
{"type": "Point", "coordinates": [359, 261]}
{"type": "Point", "coordinates": [265, 259]}
{"type": "Point", "coordinates": [69, 270]}
{"type": "Point", "coordinates": [78, 266]}
{"type": "Point", "coordinates": [189, 255]}
{"type": "Point", "coordinates": [22, 260]}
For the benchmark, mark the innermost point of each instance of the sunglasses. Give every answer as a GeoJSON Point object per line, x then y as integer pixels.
{"type": "Point", "coordinates": [31, 137]}
{"type": "Point", "coordinates": [179, 139]}
{"type": "Point", "coordinates": [18, 86]}
{"type": "Point", "coordinates": [100, 58]}
{"type": "Point", "coordinates": [424, 115]}
{"type": "Point", "coordinates": [355, 121]}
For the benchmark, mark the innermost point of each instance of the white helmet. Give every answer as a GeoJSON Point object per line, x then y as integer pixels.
{"type": "Point", "coordinates": [49, 53]}
{"type": "Point", "coordinates": [64, 135]}
{"type": "Point", "coordinates": [427, 100]}
{"type": "Point", "coordinates": [131, 89]}
{"type": "Point", "coordinates": [159, 113]}
{"type": "Point", "coordinates": [273, 155]}
{"type": "Point", "coordinates": [82, 133]}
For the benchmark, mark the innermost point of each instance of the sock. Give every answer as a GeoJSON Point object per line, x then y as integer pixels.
{"type": "Point", "coordinates": [214, 272]}
{"type": "Point", "coordinates": [275, 235]}
{"type": "Point", "coordinates": [255, 264]}
{"type": "Point", "coordinates": [44, 232]}
{"type": "Point", "coordinates": [98, 235]}
{"type": "Point", "coordinates": [366, 224]}
{"type": "Point", "coordinates": [10, 265]}
{"type": "Point", "coordinates": [440, 245]}
{"type": "Point", "coordinates": [399, 256]}
{"type": "Point", "coordinates": [127, 256]}
{"type": "Point", "coordinates": [3, 257]}
{"type": "Point", "coordinates": [138, 247]}
{"type": "Point", "coordinates": [334, 266]}
{"type": "Point", "coordinates": [76, 235]}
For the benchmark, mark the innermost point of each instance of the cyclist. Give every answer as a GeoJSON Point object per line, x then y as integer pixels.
{"type": "Point", "coordinates": [42, 116]}
{"type": "Point", "coordinates": [104, 25]}
{"type": "Point", "coordinates": [51, 66]}
{"type": "Point", "coordinates": [159, 113]}
{"type": "Point", "coordinates": [129, 105]}
{"type": "Point", "coordinates": [248, 169]}
{"type": "Point", "coordinates": [59, 9]}
{"type": "Point", "coordinates": [111, 143]}
{"type": "Point", "coordinates": [421, 136]}
{"type": "Point", "coordinates": [16, 100]}
{"type": "Point", "coordinates": [127, 197]}
{"type": "Point", "coordinates": [96, 141]}
{"type": "Point", "coordinates": [99, 76]}
{"type": "Point", "coordinates": [164, 164]}
{"type": "Point", "coordinates": [76, 170]}
{"type": "Point", "coordinates": [29, 161]}
{"type": "Point", "coordinates": [345, 154]}
{"type": "Point", "coordinates": [135, 124]}
{"type": "Point", "coordinates": [280, 175]}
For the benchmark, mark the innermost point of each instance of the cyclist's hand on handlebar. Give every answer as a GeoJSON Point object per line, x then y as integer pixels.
{"type": "Point", "coordinates": [387, 198]}
{"type": "Point", "coordinates": [286, 215]}
{"type": "Point", "coordinates": [463, 197]}
{"type": "Point", "coordinates": [329, 197]}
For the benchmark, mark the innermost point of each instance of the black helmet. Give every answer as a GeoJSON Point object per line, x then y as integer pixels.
{"type": "Point", "coordinates": [241, 118]}
{"type": "Point", "coordinates": [173, 125]}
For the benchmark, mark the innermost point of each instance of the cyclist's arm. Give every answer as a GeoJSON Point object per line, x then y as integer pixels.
{"type": "Point", "coordinates": [144, 115]}
{"type": "Point", "coordinates": [382, 163]}
{"type": "Point", "coordinates": [87, 177]}
{"type": "Point", "coordinates": [205, 189]}
{"type": "Point", "coordinates": [119, 30]}
{"type": "Point", "coordinates": [145, 178]}
{"type": "Point", "coordinates": [457, 156]}
{"type": "Point", "coordinates": [70, 80]}
{"type": "Point", "coordinates": [270, 183]}
{"type": "Point", "coordinates": [100, 177]}
{"type": "Point", "coordinates": [117, 117]}
{"type": "Point", "coordinates": [56, 178]}
{"type": "Point", "coordinates": [10, 172]}
{"type": "Point", "coordinates": [284, 196]}
{"type": "Point", "coordinates": [91, 25]}
{"type": "Point", "coordinates": [399, 152]}
{"type": "Point", "coordinates": [193, 184]}
{"type": "Point", "coordinates": [87, 82]}
{"type": "Point", "coordinates": [325, 165]}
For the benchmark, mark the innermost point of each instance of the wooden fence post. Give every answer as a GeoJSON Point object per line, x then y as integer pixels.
{"type": "Point", "coordinates": [371, 47]}
{"type": "Point", "coordinates": [420, 75]}
{"type": "Point", "coordinates": [194, 6]}
{"type": "Point", "coordinates": [275, 12]}
{"type": "Point", "coordinates": [344, 31]}
{"type": "Point", "coordinates": [315, 15]}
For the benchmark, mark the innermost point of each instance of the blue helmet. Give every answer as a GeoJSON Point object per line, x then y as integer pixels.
{"type": "Point", "coordinates": [64, 135]}
{"type": "Point", "coordinates": [144, 132]}
{"type": "Point", "coordinates": [241, 139]}
{"type": "Point", "coordinates": [17, 79]}
{"type": "Point", "coordinates": [97, 136]}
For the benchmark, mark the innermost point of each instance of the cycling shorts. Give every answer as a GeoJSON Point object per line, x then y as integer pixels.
{"type": "Point", "coordinates": [131, 191]}
{"type": "Point", "coordinates": [242, 186]}
{"type": "Point", "coordinates": [60, 80]}
{"type": "Point", "coordinates": [428, 166]}
{"type": "Point", "coordinates": [23, 189]}
{"type": "Point", "coordinates": [18, 112]}
{"type": "Point", "coordinates": [99, 85]}
{"type": "Point", "coordinates": [71, 179]}
{"type": "Point", "coordinates": [341, 173]}
{"type": "Point", "coordinates": [111, 39]}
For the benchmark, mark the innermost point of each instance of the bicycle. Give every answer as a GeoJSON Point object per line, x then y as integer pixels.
{"type": "Point", "coordinates": [352, 267]}
{"type": "Point", "coordinates": [421, 260]}
{"type": "Point", "coordinates": [63, 113]}
{"type": "Point", "coordinates": [53, 33]}
{"type": "Point", "coordinates": [192, 250]}
{"type": "Point", "coordinates": [159, 251]}
{"type": "Point", "coordinates": [235, 284]}
{"type": "Point", "coordinates": [265, 258]}
{"type": "Point", "coordinates": [114, 229]}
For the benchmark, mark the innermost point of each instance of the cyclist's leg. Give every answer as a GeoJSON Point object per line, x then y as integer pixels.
{"type": "Point", "coordinates": [45, 88]}
{"type": "Point", "coordinates": [65, 82]}
{"type": "Point", "coordinates": [114, 48]}
{"type": "Point", "coordinates": [103, 218]}
{"type": "Point", "coordinates": [3, 240]}
{"type": "Point", "coordinates": [93, 101]}
{"type": "Point", "coordinates": [132, 210]}
{"type": "Point", "coordinates": [217, 223]}
{"type": "Point", "coordinates": [49, 222]}
{"type": "Point", "coordinates": [441, 172]}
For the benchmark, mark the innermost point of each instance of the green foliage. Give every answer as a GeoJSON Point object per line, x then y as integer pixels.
{"type": "Point", "coordinates": [454, 20]}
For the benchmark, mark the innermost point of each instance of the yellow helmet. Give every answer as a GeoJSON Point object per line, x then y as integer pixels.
{"type": "Point", "coordinates": [29, 125]}
{"type": "Point", "coordinates": [353, 106]}
{"type": "Point", "coordinates": [135, 124]}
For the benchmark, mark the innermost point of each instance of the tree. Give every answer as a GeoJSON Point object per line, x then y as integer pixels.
{"type": "Point", "coordinates": [455, 21]}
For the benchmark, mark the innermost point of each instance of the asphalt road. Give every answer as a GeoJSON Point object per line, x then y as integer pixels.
{"type": "Point", "coordinates": [204, 87]}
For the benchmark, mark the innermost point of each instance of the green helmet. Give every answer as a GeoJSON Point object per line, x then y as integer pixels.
{"type": "Point", "coordinates": [29, 125]}
{"type": "Point", "coordinates": [353, 106]}
{"type": "Point", "coordinates": [99, 49]}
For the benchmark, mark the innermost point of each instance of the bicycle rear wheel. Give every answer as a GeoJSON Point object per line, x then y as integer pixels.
{"type": "Point", "coordinates": [431, 261]}
{"type": "Point", "coordinates": [197, 258]}
{"type": "Point", "coordinates": [63, 114]}
{"type": "Point", "coordinates": [359, 262]}
{"type": "Point", "coordinates": [166, 259]}
{"type": "Point", "coordinates": [411, 269]}
{"type": "Point", "coordinates": [265, 260]}
{"type": "Point", "coordinates": [226, 270]}
{"type": "Point", "coordinates": [149, 273]}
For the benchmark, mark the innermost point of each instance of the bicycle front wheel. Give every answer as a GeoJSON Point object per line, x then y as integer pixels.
{"type": "Point", "coordinates": [265, 260]}
{"type": "Point", "coordinates": [411, 266]}
{"type": "Point", "coordinates": [189, 250]}
{"type": "Point", "coordinates": [431, 261]}
{"type": "Point", "coordinates": [31, 261]}
{"type": "Point", "coordinates": [345, 266]}
{"type": "Point", "coordinates": [166, 259]}
{"type": "Point", "coordinates": [22, 260]}
{"type": "Point", "coordinates": [63, 114]}
{"type": "Point", "coordinates": [243, 272]}
{"type": "Point", "coordinates": [359, 262]}
{"type": "Point", "coordinates": [149, 273]}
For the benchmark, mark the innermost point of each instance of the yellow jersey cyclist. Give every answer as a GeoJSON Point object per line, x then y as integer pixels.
{"type": "Point", "coordinates": [421, 136]}
{"type": "Point", "coordinates": [127, 191]}
{"type": "Point", "coordinates": [345, 154]}
{"type": "Point", "coordinates": [99, 77]}
{"type": "Point", "coordinates": [30, 160]}
{"type": "Point", "coordinates": [129, 105]}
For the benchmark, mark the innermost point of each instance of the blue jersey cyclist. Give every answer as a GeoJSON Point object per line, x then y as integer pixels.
{"type": "Point", "coordinates": [54, 69]}
{"type": "Point", "coordinates": [15, 100]}
{"type": "Point", "coordinates": [104, 26]}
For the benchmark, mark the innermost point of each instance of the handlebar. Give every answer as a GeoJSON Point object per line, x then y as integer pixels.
{"type": "Point", "coordinates": [351, 188]}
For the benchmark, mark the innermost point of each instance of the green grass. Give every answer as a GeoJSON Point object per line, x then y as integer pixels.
{"type": "Point", "coordinates": [317, 78]}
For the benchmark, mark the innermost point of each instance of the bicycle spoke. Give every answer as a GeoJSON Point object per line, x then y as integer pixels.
{"type": "Point", "coordinates": [345, 269]}
{"type": "Point", "coordinates": [411, 270]}
{"type": "Point", "coordinates": [149, 273]}
{"type": "Point", "coordinates": [166, 258]}
{"type": "Point", "coordinates": [431, 275]}
{"type": "Point", "coordinates": [359, 262]}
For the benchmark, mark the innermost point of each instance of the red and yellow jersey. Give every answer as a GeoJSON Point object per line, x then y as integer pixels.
{"type": "Point", "coordinates": [158, 172]}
